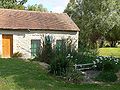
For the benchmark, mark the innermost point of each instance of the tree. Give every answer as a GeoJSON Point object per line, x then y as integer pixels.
{"type": "Point", "coordinates": [94, 17]}
{"type": "Point", "coordinates": [113, 36]}
{"type": "Point", "coordinates": [37, 8]}
{"type": "Point", "coordinates": [12, 4]}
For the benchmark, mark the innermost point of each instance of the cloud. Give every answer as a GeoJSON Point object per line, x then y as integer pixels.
{"type": "Point", "coordinates": [54, 5]}
{"type": "Point", "coordinates": [58, 9]}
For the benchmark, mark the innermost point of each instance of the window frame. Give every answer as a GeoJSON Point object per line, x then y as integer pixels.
{"type": "Point", "coordinates": [35, 46]}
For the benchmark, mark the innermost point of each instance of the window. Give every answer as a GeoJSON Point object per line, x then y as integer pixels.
{"type": "Point", "coordinates": [60, 44]}
{"type": "Point", "coordinates": [35, 47]}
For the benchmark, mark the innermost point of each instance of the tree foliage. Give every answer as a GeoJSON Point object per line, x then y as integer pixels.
{"type": "Point", "coordinates": [113, 35]}
{"type": "Point", "coordinates": [12, 4]}
{"type": "Point", "coordinates": [37, 8]}
{"type": "Point", "coordinates": [19, 4]}
{"type": "Point", "coordinates": [94, 17]}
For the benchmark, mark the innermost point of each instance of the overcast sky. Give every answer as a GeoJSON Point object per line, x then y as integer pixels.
{"type": "Point", "coordinates": [52, 5]}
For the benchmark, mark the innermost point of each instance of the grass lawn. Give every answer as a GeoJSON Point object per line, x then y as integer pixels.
{"type": "Point", "coordinates": [109, 52]}
{"type": "Point", "coordinates": [21, 75]}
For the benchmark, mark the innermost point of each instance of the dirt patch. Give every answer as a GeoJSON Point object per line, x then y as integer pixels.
{"type": "Point", "coordinates": [90, 76]}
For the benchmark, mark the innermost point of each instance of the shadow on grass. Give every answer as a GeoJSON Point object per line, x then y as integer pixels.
{"type": "Point", "coordinates": [25, 75]}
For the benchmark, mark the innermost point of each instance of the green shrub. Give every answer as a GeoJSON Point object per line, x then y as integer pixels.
{"type": "Point", "coordinates": [45, 54]}
{"type": "Point", "coordinates": [107, 63]}
{"type": "Point", "coordinates": [84, 56]}
{"type": "Point", "coordinates": [108, 66]}
{"type": "Point", "coordinates": [106, 77]}
{"type": "Point", "coordinates": [62, 60]}
{"type": "Point", "coordinates": [59, 66]}
{"type": "Point", "coordinates": [17, 55]}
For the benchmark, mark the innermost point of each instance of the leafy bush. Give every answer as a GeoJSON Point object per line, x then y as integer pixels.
{"type": "Point", "coordinates": [106, 77]}
{"type": "Point", "coordinates": [59, 66]}
{"type": "Point", "coordinates": [17, 55]}
{"type": "Point", "coordinates": [62, 60]}
{"type": "Point", "coordinates": [84, 56]}
{"type": "Point", "coordinates": [107, 63]}
{"type": "Point", "coordinates": [109, 66]}
{"type": "Point", "coordinates": [46, 53]}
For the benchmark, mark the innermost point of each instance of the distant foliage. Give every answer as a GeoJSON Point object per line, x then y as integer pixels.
{"type": "Point", "coordinates": [12, 4]}
{"type": "Point", "coordinates": [113, 35]}
{"type": "Point", "coordinates": [95, 19]}
{"type": "Point", "coordinates": [37, 8]}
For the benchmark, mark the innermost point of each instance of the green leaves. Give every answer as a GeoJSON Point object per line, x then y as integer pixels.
{"type": "Point", "coordinates": [94, 16]}
{"type": "Point", "coordinates": [12, 4]}
{"type": "Point", "coordinates": [37, 8]}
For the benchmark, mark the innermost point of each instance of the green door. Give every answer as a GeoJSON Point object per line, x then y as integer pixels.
{"type": "Point", "coordinates": [35, 47]}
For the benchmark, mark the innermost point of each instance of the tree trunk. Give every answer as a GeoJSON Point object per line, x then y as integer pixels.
{"type": "Point", "coordinates": [101, 44]}
{"type": "Point", "coordinates": [113, 43]}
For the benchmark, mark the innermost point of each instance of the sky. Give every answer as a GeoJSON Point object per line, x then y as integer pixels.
{"type": "Point", "coordinates": [57, 6]}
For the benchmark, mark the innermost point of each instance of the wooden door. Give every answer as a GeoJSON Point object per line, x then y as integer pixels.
{"type": "Point", "coordinates": [7, 45]}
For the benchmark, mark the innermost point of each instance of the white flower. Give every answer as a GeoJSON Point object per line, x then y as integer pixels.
{"type": "Point", "coordinates": [95, 65]}
{"type": "Point", "coordinates": [117, 60]}
{"type": "Point", "coordinates": [105, 58]}
{"type": "Point", "coordinates": [71, 56]}
{"type": "Point", "coordinates": [100, 58]}
{"type": "Point", "coordinates": [97, 60]}
{"type": "Point", "coordinates": [68, 54]}
{"type": "Point", "coordinates": [110, 59]}
{"type": "Point", "coordinates": [83, 73]}
{"type": "Point", "coordinates": [94, 62]}
{"type": "Point", "coordinates": [67, 57]}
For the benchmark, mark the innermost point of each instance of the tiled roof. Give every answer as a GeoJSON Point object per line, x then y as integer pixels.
{"type": "Point", "coordinates": [21, 19]}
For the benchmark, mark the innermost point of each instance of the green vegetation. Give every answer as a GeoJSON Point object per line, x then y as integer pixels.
{"type": "Point", "coordinates": [37, 8]}
{"type": "Point", "coordinates": [107, 63]}
{"type": "Point", "coordinates": [19, 4]}
{"type": "Point", "coordinates": [21, 75]}
{"type": "Point", "coordinates": [96, 20]}
{"type": "Point", "coordinates": [12, 4]}
{"type": "Point", "coordinates": [109, 52]}
{"type": "Point", "coordinates": [106, 77]}
{"type": "Point", "coordinates": [109, 66]}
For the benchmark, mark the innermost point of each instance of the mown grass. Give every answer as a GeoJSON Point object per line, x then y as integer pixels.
{"type": "Point", "coordinates": [21, 75]}
{"type": "Point", "coordinates": [109, 52]}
